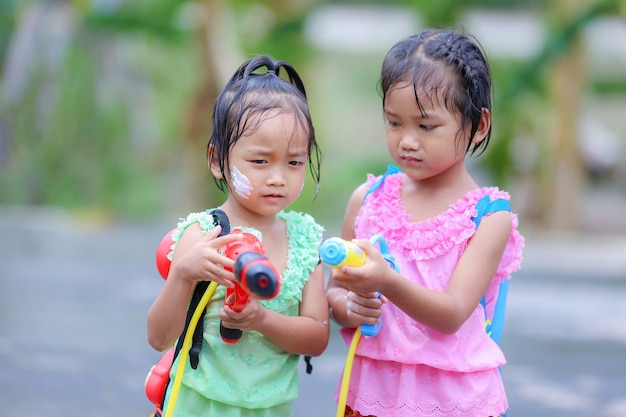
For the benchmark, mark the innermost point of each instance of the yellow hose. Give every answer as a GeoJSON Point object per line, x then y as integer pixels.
{"type": "Point", "coordinates": [184, 351]}
{"type": "Point", "coordinates": [345, 380]}
{"type": "Point", "coordinates": [347, 371]}
{"type": "Point", "coordinates": [182, 359]}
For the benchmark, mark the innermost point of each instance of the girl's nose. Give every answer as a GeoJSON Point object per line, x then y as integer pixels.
{"type": "Point", "coordinates": [276, 177]}
{"type": "Point", "coordinates": [409, 142]}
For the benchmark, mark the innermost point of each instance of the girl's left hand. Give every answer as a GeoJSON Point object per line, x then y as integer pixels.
{"type": "Point", "coordinates": [245, 319]}
{"type": "Point", "coordinates": [364, 308]}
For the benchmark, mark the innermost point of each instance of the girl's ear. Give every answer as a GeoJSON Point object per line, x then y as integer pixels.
{"type": "Point", "coordinates": [483, 126]}
{"type": "Point", "coordinates": [213, 163]}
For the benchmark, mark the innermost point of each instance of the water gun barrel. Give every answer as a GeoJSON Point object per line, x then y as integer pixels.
{"type": "Point", "coordinates": [336, 252]}
{"type": "Point", "coordinates": [257, 275]}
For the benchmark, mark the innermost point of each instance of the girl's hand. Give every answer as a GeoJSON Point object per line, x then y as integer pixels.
{"type": "Point", "coordinates": [364, 308]}
{"type": "Point", "coordinates": [246, 319]}
{"type": "Point", "coordinates": [368, 278]}
{"type": "Point", "coordinates": [202, 261]}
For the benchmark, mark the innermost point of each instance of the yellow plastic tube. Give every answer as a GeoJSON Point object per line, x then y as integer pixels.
{"type": "Point", "coordinates": [184, 351]}
{"type": "Point", "coordinates": [347, 371]}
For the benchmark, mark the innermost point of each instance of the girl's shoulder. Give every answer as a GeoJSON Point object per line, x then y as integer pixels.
{"type": "Point", "coordinates": [302, 228]}
{"type": "Point", "coordinates": [461, 213]}
{"type": "Point", "coordinates": [471, 199]}
{"type": "Point", "coordinates": [204, 219]}
{"type": "Point", "coordinates": [374, 182]}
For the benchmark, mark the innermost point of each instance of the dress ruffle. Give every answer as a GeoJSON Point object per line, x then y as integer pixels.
{"type": "Point", "coordinates": [303, 233]}
{"type": "Point", "coordinates": [431, 238]}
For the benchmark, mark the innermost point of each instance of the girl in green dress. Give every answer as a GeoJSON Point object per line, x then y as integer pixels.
{"type": "Point", "coordinates": [261, 145]}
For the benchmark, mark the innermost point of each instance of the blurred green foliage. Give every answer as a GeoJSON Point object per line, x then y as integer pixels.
{"type": "Point", "coordinates": [72, 140]}
{"type": "Point", "coordinates": [7, 11]}
{"type": "Point", "coordinates": [520, 84]}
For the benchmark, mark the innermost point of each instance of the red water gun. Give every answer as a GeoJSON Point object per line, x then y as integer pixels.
{"type": "Point", "coordinates": [255, 276]}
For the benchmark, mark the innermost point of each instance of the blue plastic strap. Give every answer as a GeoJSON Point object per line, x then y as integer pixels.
{"type": "Point", "coordinates": [494, 326]}
{"type": "Point", "coordinates": [391, 169]}
{"type": "Point", "coordinates": [486, 206]}
{"type": "Point", "coordinates": [497, 323]}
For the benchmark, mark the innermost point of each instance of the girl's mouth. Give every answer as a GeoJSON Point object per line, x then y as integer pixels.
{"type": "Point", "coordinates": [410, 159]}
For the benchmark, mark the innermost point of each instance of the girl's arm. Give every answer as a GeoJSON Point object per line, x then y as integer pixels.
{"type": "Point", "coordinates": [195, 259]}
{"type": "Point", "coordinates": [443, 311]}
{"type": "Point", "coordinates": [364, 308]}
{"type": "Point", "coordinates": [305, 334]}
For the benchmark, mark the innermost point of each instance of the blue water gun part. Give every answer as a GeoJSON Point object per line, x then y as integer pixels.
{"type": "Point", "coordinates": [336, 252]}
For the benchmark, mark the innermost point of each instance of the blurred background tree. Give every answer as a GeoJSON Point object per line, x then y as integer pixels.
{"type": "Point", "coordinates": [105, 105]}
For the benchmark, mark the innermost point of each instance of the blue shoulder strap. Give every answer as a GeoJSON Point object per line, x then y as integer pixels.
{"type": "Point", "coordinates": [494, 326]}
{"type": "Point", "coordinates": [485, 206]}
{"type": "Point", "coordinates": [391, 169]}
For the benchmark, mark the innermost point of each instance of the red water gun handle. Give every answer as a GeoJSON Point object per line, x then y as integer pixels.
{"type": "Point", "coordinates": [240, 300]}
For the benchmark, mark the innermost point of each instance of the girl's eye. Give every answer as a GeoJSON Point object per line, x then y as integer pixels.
{"type": "Point", "coordinates": [427, 127]}
{"type": "Point", "coordinates": [296, 163]}
{"type": "Point", "coordinates": [391, 123]}
{"type": "Point", "coordinates": [258, 161]}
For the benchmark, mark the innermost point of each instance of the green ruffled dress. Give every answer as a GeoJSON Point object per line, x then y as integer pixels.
{"type": "Point", "coordinates": [254, 377]}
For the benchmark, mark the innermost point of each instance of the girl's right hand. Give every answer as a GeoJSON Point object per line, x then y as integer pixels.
{"type": "Point", "coordinates": [198, 258]}
{"type": "Point", "coordinates": [364, 308]}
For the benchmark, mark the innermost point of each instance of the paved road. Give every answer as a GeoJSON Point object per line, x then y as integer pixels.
{"type": "Point", "coordinates": [74, 297]}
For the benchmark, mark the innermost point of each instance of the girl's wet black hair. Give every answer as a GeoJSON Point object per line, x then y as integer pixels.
{"type": "Point", "coordinates": [428, 60]}
{"type": "Point", "coordinates": [255, 88]}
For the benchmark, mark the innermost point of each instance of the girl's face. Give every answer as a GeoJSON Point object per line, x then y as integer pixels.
{"type": "Point", "coordinates": [268, 165]}
{"type": "Point", "coordinates": [424, 143]}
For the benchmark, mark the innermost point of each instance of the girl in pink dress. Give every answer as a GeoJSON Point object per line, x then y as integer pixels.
{"type": "Point", "coordinates": [453, 241]}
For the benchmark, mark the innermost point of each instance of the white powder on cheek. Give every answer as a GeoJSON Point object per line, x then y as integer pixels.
{"type": "Point", "coordinates": [241, 183]}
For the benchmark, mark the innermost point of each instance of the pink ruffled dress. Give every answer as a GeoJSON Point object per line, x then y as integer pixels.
{"type": "Point", "coordinates": [409, 369]}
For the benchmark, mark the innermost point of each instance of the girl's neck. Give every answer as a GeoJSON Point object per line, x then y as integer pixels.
{"type": "Point", "coordinates": [455, 182]}
{"type": "Point", "coordinates": [240, 216]}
